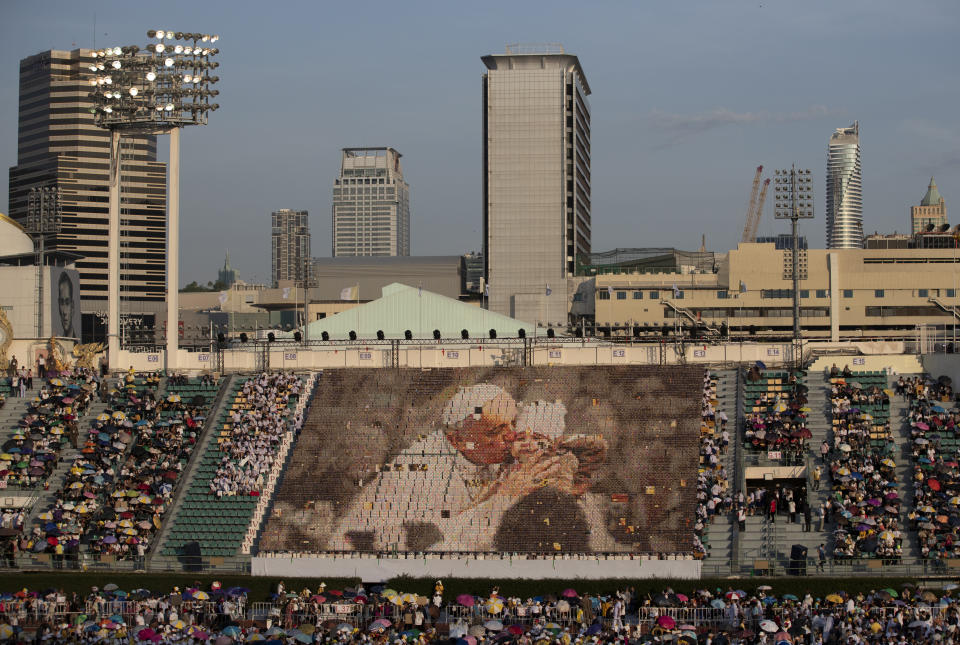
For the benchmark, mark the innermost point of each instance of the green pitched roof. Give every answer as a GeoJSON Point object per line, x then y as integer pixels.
{"type": "Point", "coordinates": [932, 198]}
{"type": "Point", "coordinates": [402, 307]}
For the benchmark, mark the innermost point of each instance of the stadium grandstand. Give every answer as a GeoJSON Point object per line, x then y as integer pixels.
{"type": "Point", "coordinates": [845, 466]}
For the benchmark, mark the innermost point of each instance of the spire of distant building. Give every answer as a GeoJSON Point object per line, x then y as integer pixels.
{"type": "Point", "coordinates": [931, 213]}
{"type": "Point", "coordinates": [932, 198]}
{"type": "Point", "coordinates": [227, 276]}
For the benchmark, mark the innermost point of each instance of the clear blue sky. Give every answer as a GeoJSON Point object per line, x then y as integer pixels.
{"type": "Point", "coordinates": [688, 98]}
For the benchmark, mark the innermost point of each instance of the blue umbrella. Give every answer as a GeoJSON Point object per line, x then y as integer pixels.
{"type": "Point", "coordinates": [595, 628]}
{"type": "Point", "coordinates": [231, 630]}
{"type": "Point", "coordinates": [789, 596]}
{"type": "Point", "coordinates": [716, 603]}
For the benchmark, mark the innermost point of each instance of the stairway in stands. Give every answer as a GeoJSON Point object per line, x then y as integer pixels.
{"type": "Point", "coordinates": [900, 429]}
{"type": "Point", "coordinates": [772, 541]}
{"type": "Point", "coordinates": [720, 535]}
{"type": "Point", "coordinates": [162, 555]}
{"type": "Point", "coordinates": [820, 424]}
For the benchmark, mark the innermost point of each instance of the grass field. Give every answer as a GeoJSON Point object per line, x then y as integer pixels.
{"type": "Point", "coordinates": [262, 587]}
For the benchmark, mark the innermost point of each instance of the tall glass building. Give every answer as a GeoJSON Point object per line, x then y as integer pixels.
{"type": "Point", "coordinates": [371, 204]}
{"type": "Point", "coordinates": [844, 189]}
{"type": "Point", "coordinates": [536, 180]}
{"type": "Point", "coordinates": [289, 246]}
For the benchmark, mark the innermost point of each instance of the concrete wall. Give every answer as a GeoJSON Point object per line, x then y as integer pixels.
{"type": "Point", "coordinates": [937, 365]}
{"type": "Point", "coordinates": [373, 568]}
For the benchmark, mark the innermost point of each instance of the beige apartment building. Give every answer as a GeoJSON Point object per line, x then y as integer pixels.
{"type": "Point", "coordinates": [844, 294]}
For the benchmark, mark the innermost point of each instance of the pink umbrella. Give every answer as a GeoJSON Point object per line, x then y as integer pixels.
{"type": "Point", "coordinates": [666, 622]}
{"type": "Point", "coordinates": [682, 598]}
{"type": "Point", "coordinates": [318, 598]}
{"type": "Point", "coordinates": [146, 634]}
{"type": "Point", "coordinates": [516, 630]}
{"type": "Point", "coordinates": [465, 599]}
{"type": "Point", "coordinates": [568, 593]}
{"type": "Point", "coordinates": [922, 425]}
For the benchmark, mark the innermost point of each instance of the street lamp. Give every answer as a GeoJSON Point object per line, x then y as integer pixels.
{"type": "Point", "coordinates": [793, 200]}
{"type": "Point", "coordinates": [155, 90]}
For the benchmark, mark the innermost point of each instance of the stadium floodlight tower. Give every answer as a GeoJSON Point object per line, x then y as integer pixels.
{"type": "Point", "coordinates": [793, 190]}
{"type": "Point", "coordinates": [155, 90]}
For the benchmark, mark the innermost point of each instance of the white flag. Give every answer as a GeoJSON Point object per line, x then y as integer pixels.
{"type": "Point", "coordinates": [676, 291]}
{"type": "Point", "coordinates": [222, 298]}
{"type": "Point", "coordinates": [549, 290]}
{"type": "Point", "coordinates": [286, 292]}
{"type": "Point", "coordinates": [348, 293]}
{"type": "Point", "coordinates": [610, 291]}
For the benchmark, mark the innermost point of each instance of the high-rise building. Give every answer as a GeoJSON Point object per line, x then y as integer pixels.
{"type": "Point", "coordinates": [371, 204]}
{"type": "Point", "coordinates": [536, 179]}
{"type": "Point", "coordinates": [59, 144]}
{"type": "Point", "coordinates": [290, 246]}
{"type": "Point", "coordinates": [931, 211]}
{"type": "Point", "coordinates": [844, 189]}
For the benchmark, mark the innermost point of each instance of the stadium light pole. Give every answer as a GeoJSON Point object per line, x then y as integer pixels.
{"type": "Point", "coordinates": [151, 91]}
{"type": "Point", "coordinates": [793, 191]}
{"type": "Point", "coordinates": [44, 219]}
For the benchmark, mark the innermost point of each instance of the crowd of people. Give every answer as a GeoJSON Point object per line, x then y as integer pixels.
{"type": "Point", "coordinates": [713, 486]}
{"type": "Point", "coordinates": [31, 454]}
{"type": "Point", "coordinates": [776, 417]}
{"type": "Point", "coordinates": [256, 432]}
{"type": "Point", "coordinates": [865, 505]}
{"type": "Point", "coordinates": [119, 486]}
{"type": "Point", "coordinates": [378, 615]}
{"type": "Point", "coordinates": [933, 417]}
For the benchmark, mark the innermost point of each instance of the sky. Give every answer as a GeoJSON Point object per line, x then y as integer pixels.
{"type": "Point", "coordinates": [688, 98]}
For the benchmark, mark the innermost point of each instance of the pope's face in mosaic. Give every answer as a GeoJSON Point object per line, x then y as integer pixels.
{"type": "Point", "coordinates": [486, 437]}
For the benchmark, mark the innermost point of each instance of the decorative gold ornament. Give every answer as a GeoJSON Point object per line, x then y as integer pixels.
{"type": "Point", "coordinates": [6, 338]}
{"type": "Point", "coordinates": [86, 353]}
{"type": "Point", "coordinates": [55, 359]}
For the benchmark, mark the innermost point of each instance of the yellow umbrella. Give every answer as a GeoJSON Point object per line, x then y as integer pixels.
{"type": "Point", "coordinates": [888, 391]}
{"type": "Point", "coordinates": [888, 462]}
{"type": "Point", "coordinates": [955, 501]}
{"type": "Point", "coordinates": [46, 516]}
{"type": "Point", "coordinates": [6, 631]}
{"type": "Point", "coordinates": [119, 416]}
{"type": "Point", "coordinates": [843, 471]}
{"type": "Point", "coordinates": [76, 485]}
{"type": "Point", "coordinates": [18, 436]}
{"type": "Point", "coordinates": [201, 595]}
{"type": "Point", "coordinates": [6, 457]}
{"type": "Point", "coordinates": [494, 605]}
{"type": "Point", "coordinates": [179, 624]}
{"type": "Point", "coordinates": [103, 416]}
{"type": "Point", "coordinates": [927, 509]}
{"type": "Point", "coordinates": [834, 598]}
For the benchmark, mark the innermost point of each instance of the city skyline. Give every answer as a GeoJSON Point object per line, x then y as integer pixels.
{"type": "Point", "coordinates": [686, 98]}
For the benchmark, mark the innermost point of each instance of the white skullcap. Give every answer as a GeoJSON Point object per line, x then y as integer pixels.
{"type": "Point", "coordinates": [486, 397]}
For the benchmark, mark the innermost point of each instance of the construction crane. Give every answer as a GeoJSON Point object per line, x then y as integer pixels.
{"type": "Point", "coordinates": [758, 212]}
{"type": "Point", "coordinates": [755, 207]}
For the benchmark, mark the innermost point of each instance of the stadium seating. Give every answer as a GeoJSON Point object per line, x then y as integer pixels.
{"type": "Point", "coordinates": [219, 524]}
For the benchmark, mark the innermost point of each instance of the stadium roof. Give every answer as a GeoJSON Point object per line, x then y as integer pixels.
{"type": "Point", "coordinates": [402, 307]}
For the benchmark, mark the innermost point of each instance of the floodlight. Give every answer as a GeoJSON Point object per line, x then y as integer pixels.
{"type": "Point", "coordinates": [158, 33]}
